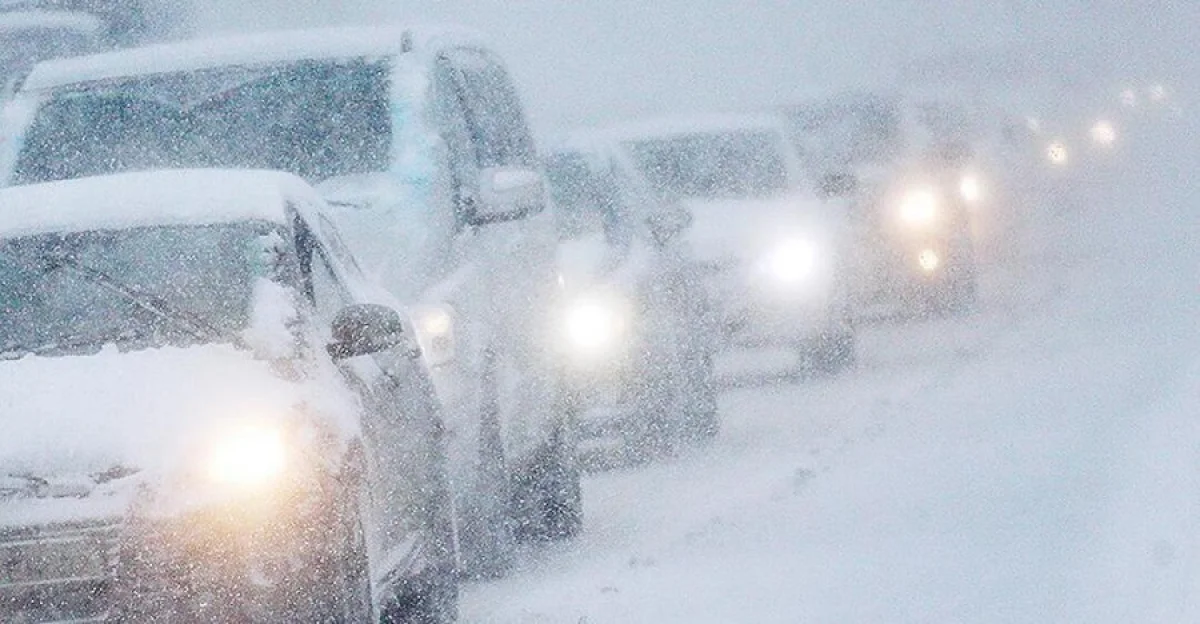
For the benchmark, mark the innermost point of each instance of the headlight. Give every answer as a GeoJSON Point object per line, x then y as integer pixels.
{"type": "Point", "coordinates": [1103, 133]}
{"type": "Point", "coordinates": [919, 207]}
{"type": "Point", "coordinates": [247, 457]}
{"type": "Point", "coordinates": [971, 188]}
{"type": "Point", "coordinates": [594, 324]}
{"type": "Point", "coordinates": [792, 262]}
{"type": "Point", "coordinates": [1057, 153]}
{"type": "Point", "coordinates": [928, 260]}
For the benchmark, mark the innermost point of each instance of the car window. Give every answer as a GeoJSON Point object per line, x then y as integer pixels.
{"type": "Point", "coordinates": [456, 134]}
{"type": "Point", "coordinates": [495, 118]}
{"type": "Point", "coordinates": [316, 119]}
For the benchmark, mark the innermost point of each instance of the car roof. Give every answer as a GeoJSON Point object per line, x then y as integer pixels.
{"type": "Point", "coordinates": [16, 21]}
{"type": "Point", "coordinates": [674, 126]}
{"type": "Point", "coordinates": [246, 50]}
{"type": "Point", "coordinates": [151, 198]}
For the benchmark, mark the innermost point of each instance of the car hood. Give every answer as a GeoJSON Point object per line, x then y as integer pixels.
{"type": "Point", "coordinates": [76, 419]}
{"type": "Point", "coordinates": [727, 231]}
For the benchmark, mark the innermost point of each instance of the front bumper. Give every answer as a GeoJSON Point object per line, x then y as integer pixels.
{"type": "Point", "coordinates": [58, 573]}
{"type": "Point", "coordinates": [217, 565]}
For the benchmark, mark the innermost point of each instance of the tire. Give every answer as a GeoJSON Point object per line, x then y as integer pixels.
{"type": "Point", "coordinates": [550, 496]}
{"type": "Point", "coordinates": [836, 353]}
{"type": "Point", "coordinates": [486, 529]}
{"type": "Point", "coordinates": [703, 421]}
{"type": "Point", "coordinates": [431, 599]}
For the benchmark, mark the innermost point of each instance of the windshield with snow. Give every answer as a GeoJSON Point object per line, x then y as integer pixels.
{"type": "Point", "coordinates": [847, 134]}
{"type": "Point", "coordinates": [713, 165]}
{"type": "Point", "coordinates": [317, 119]}
{"type": "Point", "coordinates": [66, 293]}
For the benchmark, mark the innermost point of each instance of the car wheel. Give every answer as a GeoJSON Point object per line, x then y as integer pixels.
{"type": "Point", "coordinates": [703, 422]}
{"type": "Point", "coordinates": [486, 530]}
{"type": "Point", "coordinates": [430, 599]}
{"type": "Point", "coordinates": [551, 494]}
{"type": "Point", "coordinates": [836, 353]}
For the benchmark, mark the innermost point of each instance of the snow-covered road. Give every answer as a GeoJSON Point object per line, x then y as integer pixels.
{"type": "Point", "coordinates": [1034, 462]}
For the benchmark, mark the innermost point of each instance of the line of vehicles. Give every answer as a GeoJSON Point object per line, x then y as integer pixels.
{"type": "Point", "coordinates": [303, 327]}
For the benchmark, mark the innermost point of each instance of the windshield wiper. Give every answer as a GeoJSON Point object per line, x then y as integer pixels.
{"type": "Point", "coordinates": [198, 328]}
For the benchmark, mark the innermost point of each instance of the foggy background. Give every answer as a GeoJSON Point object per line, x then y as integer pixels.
{"type": "Point", "coordinates": [585, 62]}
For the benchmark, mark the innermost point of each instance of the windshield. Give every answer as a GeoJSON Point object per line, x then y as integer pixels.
{"type": "Point", "coordinates": [63, 293]}
{"type": "Point", "coordinates": [317, 119]}
{"type": "Point", "coordinates": [834, 136]}
{"type": "Point", "coordinates": [722, 165]}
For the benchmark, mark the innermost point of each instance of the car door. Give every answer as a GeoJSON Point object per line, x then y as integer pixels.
{"type": "Point", "coordinates": [512, 270]}
{"type": "Point", "coordinates": [401, 426]}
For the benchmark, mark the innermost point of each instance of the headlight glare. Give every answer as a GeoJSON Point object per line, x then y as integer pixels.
{"type": "Point", "coordinates": [919, 207]}
{"type": "Point", "coordinates": [793, 261]}
{"type": "Point", "coordinates": [1057, 153]}
{"type": "Point", "coordinates": [971, 188]}
{"type": "Point", "coordinates": [1103, 133]}
{"type": "Point", "coordinates": [594, 324]}
{"type": "Point", "coordinates": [247, 457]}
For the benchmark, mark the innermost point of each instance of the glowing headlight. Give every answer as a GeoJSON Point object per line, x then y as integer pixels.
{"type": "Point", "coordinates": [971, 188]}
{"type": "Point", "coordinates": [1056, 153]}
{"type": "Point", "coordinates": [792, 261]}
{"type": "Point", "coordinates": [1103, 133]}
{"type": "Point", "coordinates": [594, 324]}
{"type": "Point", "coordinates": [919, 207]}
{"type": "Point", "coordinates": [248, 457]}
{"type": "Point", "coordinates": [928, 260]}
{"type": "Point", "coordinates": [1129, 98]}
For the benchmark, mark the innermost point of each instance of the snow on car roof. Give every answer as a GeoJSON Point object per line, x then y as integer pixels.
{"type": "Point", "coordinates": [249, 50]}
{"type": "Point", "coordinates": [168, 197]}
{"type": "Point", "coordinates": [667, 127]}
{"type": "Point", "coordinates": [68, 20]}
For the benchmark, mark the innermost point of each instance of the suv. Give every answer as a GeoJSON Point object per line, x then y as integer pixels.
{"type": "Point", "coordinates": [209, 416]}
{"type": "Point", "coordinates": [635, 320]}
{"type": "Point", "coordinates": [772, 251]}
{"type": "Point", "coordinates": [418, 140]}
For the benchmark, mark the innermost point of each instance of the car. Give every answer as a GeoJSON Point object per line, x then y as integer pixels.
{"type": "Point", "coordinates": [916, 181]}
{"type": "Point", "coordinates": [772, 253]}
{"type": "Point", "coordinates": [635, 323]}
{"type": "Point", "coordinates": [417, 138]}
{"type": "Point", "coordinates": [210, 415]}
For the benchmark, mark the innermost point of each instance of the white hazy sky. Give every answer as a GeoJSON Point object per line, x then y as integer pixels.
{"type": "Point", "coordinates": [582, 62]}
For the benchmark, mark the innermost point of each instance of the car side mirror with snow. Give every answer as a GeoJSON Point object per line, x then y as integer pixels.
{"type": "Point", "coordinates": [840, 184]}
{"type": "Point", "coordinates": [365, 328]}
{"type": "Point", "coordinates": [508, 194]}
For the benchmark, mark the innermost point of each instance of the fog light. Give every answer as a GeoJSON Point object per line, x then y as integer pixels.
{"type": "Point", "coordinates": [928, 260]}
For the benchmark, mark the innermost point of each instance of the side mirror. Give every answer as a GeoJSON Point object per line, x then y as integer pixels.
{"type": "Point", "coordinates": [667, 223]}
{"type": "Point", "coordinates": [363, 329]}
{"type": "Point", "coordinates": [837, 185]}
{"type": "Point", "coordinates": [507, 194]}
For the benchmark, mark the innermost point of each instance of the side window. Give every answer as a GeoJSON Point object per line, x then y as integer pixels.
{"type": "Point", "coordinates": [456, 133]}
{"type": "Point", "coordinates": [321, 286]}
{"type": "Point", "coordinates": [495, 118]}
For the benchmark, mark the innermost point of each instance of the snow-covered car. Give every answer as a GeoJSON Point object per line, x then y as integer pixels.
{"type": "Point", "coordinates": [915, 183]}
{"type": "Point", "coordinates": [635, 320]}
{"type": "Point", "coordinates": [772, 252]}
{"type": "Point", "coordinates": [418, 139]}
{"type": "Point", "coordinates": [208, 415]}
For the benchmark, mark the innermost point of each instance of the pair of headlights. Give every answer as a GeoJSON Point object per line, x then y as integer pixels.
{"type": "Point", "coordinates": [921, 206]}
